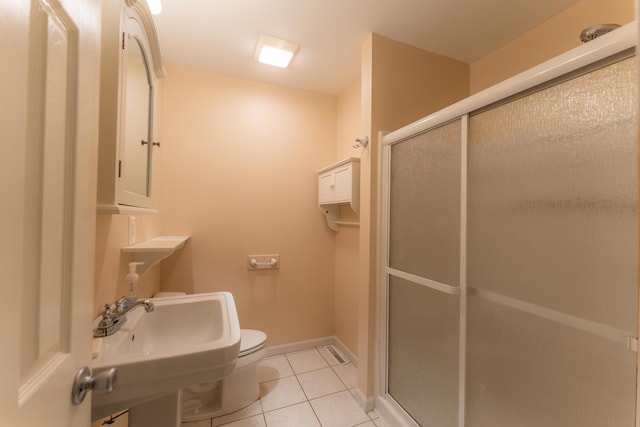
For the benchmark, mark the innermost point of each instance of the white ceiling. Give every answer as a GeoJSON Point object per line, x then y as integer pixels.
{"type": "Point", "coordinates": [220, 35]}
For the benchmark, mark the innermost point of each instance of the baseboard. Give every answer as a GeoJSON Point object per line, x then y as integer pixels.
{"type": "Point", "coordinates": [276, 350]}
{"type": "Point", "coordinates": [392, 414]}
{"type": "Point", "coordinates": [299, 346]}
{"type": "Point", "coordinates": [367, 403]}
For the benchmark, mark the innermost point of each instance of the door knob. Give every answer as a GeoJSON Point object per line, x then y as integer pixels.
{"type": "Point", "coordinates": [104, 382]}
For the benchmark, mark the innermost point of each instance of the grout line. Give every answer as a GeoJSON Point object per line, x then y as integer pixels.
{"type": "Point", "coordinates": [276, 379]}
{"type": "Point", "coordinates": [336, 374]}
{"type": "Point", "coordinates": [289, 362]}
{"type": "Point", "coordinates": [314, 413]}
{"type": "Point", "coordinates": [312, 370]}
{"type": "Point", "coordinates": [302, 388]}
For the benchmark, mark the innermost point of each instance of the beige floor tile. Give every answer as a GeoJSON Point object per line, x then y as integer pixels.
{"type": "Point", "coordinates": [300, 415]}
{"type": "Point", "coordinates": [280, 393]}
{"type": "Point", "coordinates": [273, 368]}
{"type": "Point", "coordinates": [305, 361]}
{"type": "Point", "coordinates": [367, 424]}
{"type": "Point", "coordinates": [320, 383]}
{"type": "Point", "coordinates": [249, 411]}
{"type": "Point", "coordinates": [379, 422]}
{"type": "Point", "coordinates": [255, 421]}
{"type": "Point", "coordinates": [338, 410]}
{"type": "Point", "coordinates": [348, 374]}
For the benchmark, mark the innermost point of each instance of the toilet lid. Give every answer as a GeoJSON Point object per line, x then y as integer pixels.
{"type": "Point", "coordinates": [251, 340]}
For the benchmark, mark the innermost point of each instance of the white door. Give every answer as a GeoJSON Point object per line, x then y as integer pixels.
{"type": "Point", "coordinates": [49, 75]}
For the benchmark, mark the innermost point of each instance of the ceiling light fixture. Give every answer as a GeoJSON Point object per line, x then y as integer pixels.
{"type": "Point", "coordinates": [273, 51]}
{"type": "Point", "coordinates": [155, 6]}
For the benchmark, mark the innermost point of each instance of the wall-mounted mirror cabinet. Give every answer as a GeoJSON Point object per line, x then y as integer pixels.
{"type": "Point", "coordinates": [131, 66]}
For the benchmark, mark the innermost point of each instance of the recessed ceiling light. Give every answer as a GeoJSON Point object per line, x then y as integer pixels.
{"type": "Point", "coordinates": [155, 6]}
{"type": "Point", "coordinates": [273, 51]}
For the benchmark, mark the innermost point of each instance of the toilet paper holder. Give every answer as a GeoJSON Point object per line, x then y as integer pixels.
{"type": "Point", "coordinates": [263, 262]}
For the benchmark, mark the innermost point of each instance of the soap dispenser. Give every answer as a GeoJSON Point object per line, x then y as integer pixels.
{"type": "Point", "coordinates": [131, 280]}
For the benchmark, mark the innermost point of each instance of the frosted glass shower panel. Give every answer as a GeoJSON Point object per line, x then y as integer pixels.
{"type": "Point", "coordinates": [423, 352]}
{"type": "Point", "coordinates": [552, 255]}
{"type": "Point", "coordinates": [425, 205]}
{"type": "Point", "coordinates": [527, 371]}
{"type": "Point", "coordinates": [552, 208]}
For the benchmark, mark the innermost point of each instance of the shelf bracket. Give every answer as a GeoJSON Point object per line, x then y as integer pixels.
{"type": "Point", "coordinates": [332, 213]}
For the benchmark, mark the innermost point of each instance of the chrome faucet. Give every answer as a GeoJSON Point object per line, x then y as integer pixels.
{"type": "Point", "coordinates": [113, 316]}
{"type": "Point", "coordinates": [123, 308]}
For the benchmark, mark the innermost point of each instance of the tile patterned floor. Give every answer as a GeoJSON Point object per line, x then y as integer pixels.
{"type": "Point", "coordinates": [303, 389]}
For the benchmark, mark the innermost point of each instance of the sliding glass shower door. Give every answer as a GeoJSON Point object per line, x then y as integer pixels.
{"type": "Point", "coordinates": [512, 270]}
{"type": "Point", "coordinates": [552, 256]}
{"type": "Point", "coordinates": [424, 282]}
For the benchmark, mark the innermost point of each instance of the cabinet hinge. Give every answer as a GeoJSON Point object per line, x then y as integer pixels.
{"type": "Point", "coordinates": [632, 344]}
{"type": "Point", "coordinates": [123, 38]}
{"type": "Point", "coordinates": [119, 168]}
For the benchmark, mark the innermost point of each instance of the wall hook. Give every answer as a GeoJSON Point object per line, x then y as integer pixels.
{"type": "Point", "coordinates": [361, 142]}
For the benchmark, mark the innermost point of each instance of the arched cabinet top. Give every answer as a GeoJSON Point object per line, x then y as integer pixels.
{"type": "Point", "coordinates": [143, 15]}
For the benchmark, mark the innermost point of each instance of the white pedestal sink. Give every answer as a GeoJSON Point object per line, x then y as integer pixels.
{"type": "Point", "coordinates": [186, 340]}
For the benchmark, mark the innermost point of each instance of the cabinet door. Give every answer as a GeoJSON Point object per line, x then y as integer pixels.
{"type": "Point", "coordinates": [342, 179]}
{"type": "Point", "coordinates": [136, 134]}
{"type": "Point", "coordinates": [326, 186]}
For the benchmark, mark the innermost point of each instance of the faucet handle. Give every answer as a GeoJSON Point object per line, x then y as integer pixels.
{"type": "Point", "coordinates": [108, 311]}
{"type": "Point", "coordinates": [107, 317]}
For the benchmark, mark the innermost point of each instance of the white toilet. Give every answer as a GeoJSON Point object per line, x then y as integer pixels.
{"type": "Point", "coordinates": [234, 392]}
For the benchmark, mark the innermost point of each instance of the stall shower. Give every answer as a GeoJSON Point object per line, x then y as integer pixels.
{"type": "Point", "coordinates": [510, 258]}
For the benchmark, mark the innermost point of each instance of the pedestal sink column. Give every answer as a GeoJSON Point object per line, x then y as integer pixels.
{"type": "Point", "coordinates": [161, 412]}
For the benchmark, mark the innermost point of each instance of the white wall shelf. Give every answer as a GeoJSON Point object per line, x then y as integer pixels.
{"type": "Point", "coordinates": [154, 250]}
{"type": "Point", "coordinates": [125, 210]}
{"type": "Point", "coordinates": [339, 184]}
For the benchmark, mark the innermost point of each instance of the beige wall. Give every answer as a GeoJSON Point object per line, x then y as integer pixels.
{"type": "Point", "coordinates": [400, 84]}
{"type": "Point", "coordinates": [347, 239]}
{"type": "Point", "coordinates": [112, 234]}
{"type": "Point", "coordinates": [549, 39]}
{"type": "Point", "coordinates": [409, 83]}
{"type": "Point", "coordinates": [239, 176]}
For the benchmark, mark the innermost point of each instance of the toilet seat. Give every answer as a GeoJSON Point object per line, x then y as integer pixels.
{"type": "Point", "coordinates": [251, 341]}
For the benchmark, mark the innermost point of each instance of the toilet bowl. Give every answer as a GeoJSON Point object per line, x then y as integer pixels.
{"type": "Point", "coordinates": [238, 390]}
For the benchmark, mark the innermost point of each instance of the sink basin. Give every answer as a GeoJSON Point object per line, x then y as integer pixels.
{"type": "Point", "coordinates": [186, 340]}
